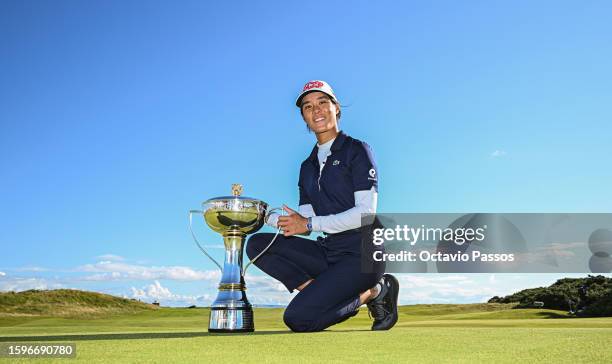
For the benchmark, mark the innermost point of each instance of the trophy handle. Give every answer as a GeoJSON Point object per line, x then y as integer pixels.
{"type": "Point", "coordinates": [271, 241]}
{"type": "Point", "coordinates": [191, 212]}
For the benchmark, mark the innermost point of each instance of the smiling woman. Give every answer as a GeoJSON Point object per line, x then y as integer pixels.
{"type": "Point", "coordinates": [328, 271]}
{"type": "Point", "coordinates": [328, 105]}
{"type": "Point", "coordinates": [317, 111]}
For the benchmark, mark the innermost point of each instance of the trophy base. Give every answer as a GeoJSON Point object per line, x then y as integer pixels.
{"type": "Point", "coordinates": [226, 331]}
{"type": "Point", "coordinates": [231, 319]}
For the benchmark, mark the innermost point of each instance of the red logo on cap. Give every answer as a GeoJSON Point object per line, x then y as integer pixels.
{"type": "Point", "coordinates": [313, 84]}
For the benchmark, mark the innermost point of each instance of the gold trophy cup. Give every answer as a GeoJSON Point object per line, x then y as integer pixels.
{"type": "Point", "coordinates": [233, 217]}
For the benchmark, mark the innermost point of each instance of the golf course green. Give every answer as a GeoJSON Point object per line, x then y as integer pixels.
{"type": "Point", "coordinates": [425, 333]}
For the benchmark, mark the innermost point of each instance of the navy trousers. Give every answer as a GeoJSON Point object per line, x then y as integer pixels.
{"type": "Point", "coordinates": [335, 265]}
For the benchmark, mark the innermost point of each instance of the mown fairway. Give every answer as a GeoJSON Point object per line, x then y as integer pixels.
{"type": "Point", "coordinates": [425, 333]}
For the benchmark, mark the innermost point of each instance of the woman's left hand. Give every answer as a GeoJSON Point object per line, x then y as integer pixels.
{"type": "Point", "coordinates": [293, 223]}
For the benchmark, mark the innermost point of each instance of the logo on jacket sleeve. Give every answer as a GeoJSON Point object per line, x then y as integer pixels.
{"type": "Point", "coordinates": [372, 173]}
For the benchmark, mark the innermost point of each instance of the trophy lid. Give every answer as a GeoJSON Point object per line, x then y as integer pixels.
{"type": "Point", "coordinates": [236, 195]}
{"type": "Point", "coordinates": [234, 213]}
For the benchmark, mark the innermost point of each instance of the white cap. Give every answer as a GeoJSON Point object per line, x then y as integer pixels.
{"type": "Point", "coordinates": [316, 85]}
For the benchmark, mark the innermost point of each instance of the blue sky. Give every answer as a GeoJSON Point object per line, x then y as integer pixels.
{"type": "Point", "coordinates": [118, 117]}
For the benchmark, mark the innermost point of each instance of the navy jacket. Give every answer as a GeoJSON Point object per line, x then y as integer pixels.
{"type": "Point", "coordinates": [348, 169]}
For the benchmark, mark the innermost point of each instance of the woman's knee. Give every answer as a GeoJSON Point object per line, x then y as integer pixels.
{"type": "Point", "coordinates": [300, 320]}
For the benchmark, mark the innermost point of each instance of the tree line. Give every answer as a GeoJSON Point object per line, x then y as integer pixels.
{"type": "Point", "coordinates": [585, 297]}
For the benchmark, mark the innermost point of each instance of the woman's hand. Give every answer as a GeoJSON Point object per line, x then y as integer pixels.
{"type": "Point", "coordinates": [293, 223]}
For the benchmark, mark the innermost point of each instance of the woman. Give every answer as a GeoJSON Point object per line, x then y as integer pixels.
{"type": "Point", "coordinates": [338, 182]}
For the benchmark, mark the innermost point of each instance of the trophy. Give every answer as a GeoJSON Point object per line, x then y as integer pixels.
{"type": "Point", "coordinates": [233, 217]}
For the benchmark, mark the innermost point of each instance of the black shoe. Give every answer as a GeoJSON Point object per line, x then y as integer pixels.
{"type": "Point", "coordinates": [384, 307]}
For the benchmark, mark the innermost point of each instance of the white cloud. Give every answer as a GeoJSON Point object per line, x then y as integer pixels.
{"type": "Point", "coordinates": [265, 290]}
{"type": "Point", "coordinates": [111, 271]}
{"type": "Point", "coordinates": [163, 295]}
{"type": "Point", "coordinates": [18, 284]}
{"type": "Point", "coordinates": [111, 257]}
{"type": "Point", "coordinates": [264, 283]}
{"type": "Point", "coordinates": [261, 290]}
{"type": "Point", "coordinates": [442, 288]}
{"type": "Point", "coordinates": [100, 277]}
{"type": "Point", "coordinates": [31, 268]}
{"type": "Point", "coordinates": [498, 153]}
{"type": "Point", "coordinates": [2, 274]}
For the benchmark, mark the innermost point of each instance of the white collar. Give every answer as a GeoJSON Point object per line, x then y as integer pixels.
{"type": "Point", "coordinates": [327, 144]}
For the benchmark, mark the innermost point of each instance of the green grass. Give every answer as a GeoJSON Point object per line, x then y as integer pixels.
{"type": "Point", "coordinates": [425, 333]}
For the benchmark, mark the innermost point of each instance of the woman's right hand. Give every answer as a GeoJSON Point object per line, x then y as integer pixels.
{"type": "Point", "coordinates": [293, 223]}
